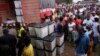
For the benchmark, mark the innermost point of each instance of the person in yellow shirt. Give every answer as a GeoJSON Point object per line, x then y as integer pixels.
{"type": "Point", "coordinates": [55, 15]}
{"type": "Point", "coordinates": [20, 30]}
{"type": "Point", "coordinates": [28, 48]}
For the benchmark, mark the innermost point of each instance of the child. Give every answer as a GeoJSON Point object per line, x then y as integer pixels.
{"type": "Point", "coordinates": [28, 48]}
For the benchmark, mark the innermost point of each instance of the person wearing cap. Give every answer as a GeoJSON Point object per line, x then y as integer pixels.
{"type": "Point", "coordinates": [71, 30]}
{"type": "Point", "coordinates": [7, 44]}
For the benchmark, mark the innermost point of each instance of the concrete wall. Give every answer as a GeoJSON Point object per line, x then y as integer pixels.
{"type": "Point", "coordinates": [47, 4]}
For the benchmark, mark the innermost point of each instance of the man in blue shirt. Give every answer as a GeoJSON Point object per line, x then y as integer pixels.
{"type": "Point", "coordinates": [82, 43]}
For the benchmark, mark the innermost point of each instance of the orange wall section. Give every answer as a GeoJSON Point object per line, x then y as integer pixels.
{"type": "Point", "coordinates": [31, 11]}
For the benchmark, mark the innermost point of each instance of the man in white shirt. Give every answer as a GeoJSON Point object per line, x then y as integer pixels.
{"type": "Point", "coordinates": [89, 20]}
{"type": "Point", "coordinates": [95, 15]}
{"type": "Point", "coordinates": [71, 29]}
{"type": "Point", "coordinates": [96, 34]}
{"type": "Point", "coordinates": [81, 10]}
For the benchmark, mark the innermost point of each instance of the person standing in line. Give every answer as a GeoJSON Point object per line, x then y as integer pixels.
{"type": "Point", "coordinates": [88, 21]}
{"type": "Point", "coordinates": [82, 43]}
{"type": "Point", "coordinates": [71, 28]}
{"type": "Point", "coordinates": [56, 22]}
{"type": "Point", "coordinates": [65, 28]}
{"type": "Point", "coordinates": [95, 15]}
{"type": "Point", "coordinates": [20, 44]}
{"type": "Point", "coordinates": [19, 29]}
{"type": "Point", "coordinates": [7, 44]}
{"type": "Point", "coordinates": [96, 31]}
{"type": "Point", "coordinates": [91, 44]}
{"type": "Point", "coordinates": [78, 21]}
{"type": "Point", "coordinates": [28, 48]}
{"type": "Point", "coordinates": [60, 25]}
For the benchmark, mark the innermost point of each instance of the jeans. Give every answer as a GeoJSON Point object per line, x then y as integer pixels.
{"type": "Point", "coordinates": [96, 41]}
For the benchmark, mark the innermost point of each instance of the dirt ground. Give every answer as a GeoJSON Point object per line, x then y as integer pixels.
{"type": "Point", "coordinates": [70, 51]}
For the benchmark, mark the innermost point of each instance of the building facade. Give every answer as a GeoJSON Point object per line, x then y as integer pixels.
{"type": "Point", "coordinates": [27, 11]}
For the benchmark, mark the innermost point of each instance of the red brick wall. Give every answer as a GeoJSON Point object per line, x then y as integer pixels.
{"type": "Point", "coordinates": [31, 11]}
{"type": "Point", "coordinates": [5, 10]}
{"type": "Point", "coordinates": [0, 19]}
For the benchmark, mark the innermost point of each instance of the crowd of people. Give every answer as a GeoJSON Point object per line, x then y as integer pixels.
{"type": "Point", "coordinates": [15, 41]}
{"type": "Point", "coordinates": [80, 24]}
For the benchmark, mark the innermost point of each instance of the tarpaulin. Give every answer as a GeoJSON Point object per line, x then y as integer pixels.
{"type": "Point", "coordinates": [46, 12]}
